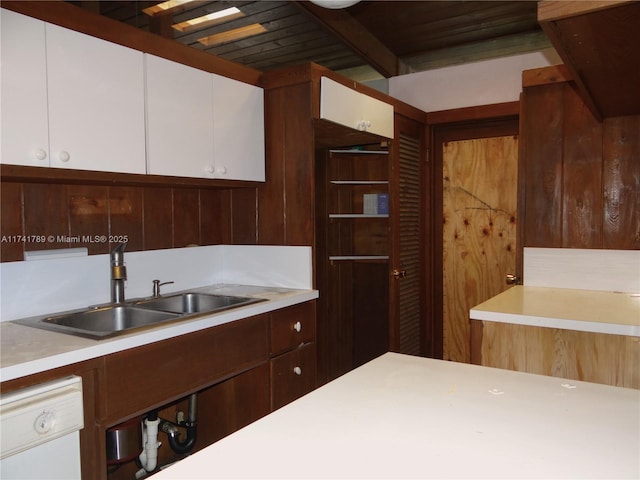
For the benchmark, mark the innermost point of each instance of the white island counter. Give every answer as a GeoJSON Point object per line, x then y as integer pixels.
{"type": "Point", "coordinates": [409, 417]}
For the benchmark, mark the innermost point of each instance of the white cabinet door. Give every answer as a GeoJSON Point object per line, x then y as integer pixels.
{"type": "Point", "coordinates": [345, 106]}
{"type": "Point", "coordinates": [96, 103]}
{"type": "Point", "coordinates": [25, 130]}
{"type": "Point", "coordinates": [179, 119]}
{"type": "Point", "coordinates": [377, 115]}
{"type": "Point", "coordinates": [238, 119]}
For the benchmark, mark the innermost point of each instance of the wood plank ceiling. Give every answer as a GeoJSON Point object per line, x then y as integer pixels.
{"type": "Point", "coordinates": [370, 38]}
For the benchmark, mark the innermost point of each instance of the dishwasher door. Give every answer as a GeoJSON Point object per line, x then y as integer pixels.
{"type": "Point", "coordinates": [39, 431]}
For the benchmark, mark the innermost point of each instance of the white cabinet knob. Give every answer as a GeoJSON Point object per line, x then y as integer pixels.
{"type": "Point", "coordinates": [210, 169]}
{"type": "Point", "coordinates": [297, 327]}
{"type": "Point", "coordinates": [361, 125]}
{"type": "Point", "coordinates": [297, 370]}
{"type": "Point", "coordinates": [40, 154]}
{"type": "Point", "coordinates": [64, 156]}
{"type": "Point", "coordinates": [221, 170]}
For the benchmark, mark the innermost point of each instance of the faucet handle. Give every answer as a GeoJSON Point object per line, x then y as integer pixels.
{"type": "Point", "coordinates": [156, 287]}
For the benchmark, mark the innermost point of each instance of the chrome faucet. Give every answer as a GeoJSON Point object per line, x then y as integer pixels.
{"type": "Point", "coordinates": [118, 273]}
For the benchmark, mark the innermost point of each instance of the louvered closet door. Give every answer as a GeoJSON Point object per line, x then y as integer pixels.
{"type": "Point", "coordinates": [407, 265]}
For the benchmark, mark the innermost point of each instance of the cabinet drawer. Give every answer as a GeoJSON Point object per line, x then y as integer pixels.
{"type": "Point", "coordinates": [293, 374]}
{"type": "Point", "coordinates": [293, 326]}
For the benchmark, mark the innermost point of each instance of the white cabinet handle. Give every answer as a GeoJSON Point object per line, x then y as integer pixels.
{"type": "Point", "coordinates": [40, 154]}
{"type": "Point", "coordinates": [221, 170]}
{"type": "Point", "coordinates": [64, 156]}
{"type": "Point", "coordinates": [297, 327]}
{"type": "Point", "coordinates": [297, 370]}
{"type": "Point", "coordinates": [210, 169]}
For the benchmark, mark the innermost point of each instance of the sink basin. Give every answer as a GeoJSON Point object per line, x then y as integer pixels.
{"type": "Point", "coordinates": [110, 320]}
{"type": "Point", "coordinates": [105, 321]}
{"type": "Point", "coordinates": [185, 303]}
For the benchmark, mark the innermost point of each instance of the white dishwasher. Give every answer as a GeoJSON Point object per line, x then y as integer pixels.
{"type": "Point", "coordinates": [40, 431]}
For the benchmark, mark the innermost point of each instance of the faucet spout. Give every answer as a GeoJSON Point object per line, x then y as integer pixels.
{"type": "Point", "coordinates": [118, 273]}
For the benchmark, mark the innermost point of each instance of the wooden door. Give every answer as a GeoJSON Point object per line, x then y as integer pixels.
{"type": "Point", "coordinates": [479, 231]}
{"type": "Point", "coordinates": [408, 329]}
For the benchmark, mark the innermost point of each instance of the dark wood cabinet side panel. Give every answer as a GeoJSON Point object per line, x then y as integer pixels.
{"type": "Point", "coordinates": [148, 377]}
{"type": "Point", "coordinates": [89, 218]}
{"type": "Point", "coordinates": [271, 194]}
{"type": "Point", "coordinates": [582, 174]}
{"type": "Point", "coordinates": [186, 217]}
{"type": "Point", "coordinates": [621, 180]}
{"type": "Point", "coordinates": [543, 202]}
{"type": "Point", "coordinates": [11, 227]}
{"type": "Point", "coordinates": [125, 216]}
{"type": "Point", "coordinates": [286, 200]}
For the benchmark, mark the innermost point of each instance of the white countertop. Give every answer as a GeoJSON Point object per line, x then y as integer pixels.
{"type": "Point", "coordinates": [408, 417]}
{"type": "Point", "coordinates": [584, 310]}
{"type": "Point", "coordinates": [27, 350]}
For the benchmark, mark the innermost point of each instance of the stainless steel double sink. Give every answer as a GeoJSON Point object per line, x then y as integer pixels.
{"type": "Point", "coordinates": [115, 319]}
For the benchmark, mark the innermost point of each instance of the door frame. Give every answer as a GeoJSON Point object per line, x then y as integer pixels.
{"type": "Point", "coordinates": [452, 125]}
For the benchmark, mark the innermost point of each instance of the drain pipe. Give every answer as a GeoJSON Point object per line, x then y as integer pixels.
{"type": "Point", "coordinates": [173, 433]}
{"type": "Point", "coordinates": [149, 456]}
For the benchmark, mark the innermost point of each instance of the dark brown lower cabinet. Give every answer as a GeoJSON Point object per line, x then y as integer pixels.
{"type": "Point", "coordinates": [240, 371]}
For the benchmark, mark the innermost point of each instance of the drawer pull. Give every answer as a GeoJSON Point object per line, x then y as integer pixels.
{"type": "Point", "coordinates": [297, 327]}
{"type": "Point", "coordinates": [297, 370]}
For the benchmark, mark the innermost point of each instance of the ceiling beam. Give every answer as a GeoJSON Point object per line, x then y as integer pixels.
{"type": "Point", "coordinates": [352, 33]}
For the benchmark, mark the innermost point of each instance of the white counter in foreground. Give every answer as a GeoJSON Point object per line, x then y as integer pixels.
{"type": "Point", "coordinates": [583, 310]}
{"type": "Point", "coordinates": [409, 417]}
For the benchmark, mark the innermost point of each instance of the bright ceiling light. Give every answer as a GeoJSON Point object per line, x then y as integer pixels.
{"type": "Point", "coordinates": [335, 3]}
{"type": "Point", "coordinates": [164, 6]}
{"type": "Point", "coordinates": [209, 19]}
{"type": "Point", "coordinates": [232, 35]}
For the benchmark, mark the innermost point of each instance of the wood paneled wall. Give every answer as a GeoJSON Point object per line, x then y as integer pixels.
{"type": "Point", "coordinates": [581, 177]}
{"type": "Point", "coordinates": [37, 216]}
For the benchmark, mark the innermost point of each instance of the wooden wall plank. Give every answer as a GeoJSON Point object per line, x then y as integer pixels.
{"type": "Point", "coordinates": [215, 217]}
{"type": "Point", "coordinates": [582, 174]}
{"type": "Point", "coordinates": [158, 218]}
{"type": "Point", "coordinates": [543, 130]}
{"type": "Point", "coordinates": [100, 216]}
{"type": "Point", "coordinates": [45, 214]}
{"type": "Point", "coordinates": [244, 203]}
{"type": "Point", "coordinates": [89, 217]}
{"type": "Point", "coordinates": [186, 217]}
{"type": "Point", "coordinates": [11, 228]}
{"type": "Point", "coordinates": [621, 182]}
{"type": "Point", "coordinates": [125, 217]}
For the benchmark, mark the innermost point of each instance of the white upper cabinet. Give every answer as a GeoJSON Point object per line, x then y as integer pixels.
{"type": "Point", "coordinates": [202, 125]}
{"type": "Point", "coordinates": [238, 119]}
{"type": "Point", "coordinates": [179, 119]}
{"type": "Point", "coordinates": [70, 100]}
{"type": "Point", "coordinates": [23, 100]}
{"type": "Point", "coordinates": [341, 104]}
{"type": "Point", "coordinates": [96, 103]}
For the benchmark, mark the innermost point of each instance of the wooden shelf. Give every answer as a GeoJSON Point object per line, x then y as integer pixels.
{"type": "Point", "coordinates": [356, 258]}
{"type": "Point", "coordinates": [355, 151]}
{"type": "Point", "coordinates": [356, 215]}
{"type": "Point", "coordinates": [359, 182]}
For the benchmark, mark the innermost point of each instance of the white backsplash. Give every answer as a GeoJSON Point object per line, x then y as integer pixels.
{"type": "Point", "coordinates": [582, 269]}
{"type": "Point", "coordinates": [54, 285]}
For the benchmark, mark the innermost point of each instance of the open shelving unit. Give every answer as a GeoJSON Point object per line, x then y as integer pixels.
{"type": "Point", "coordinates": [353, 250]}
